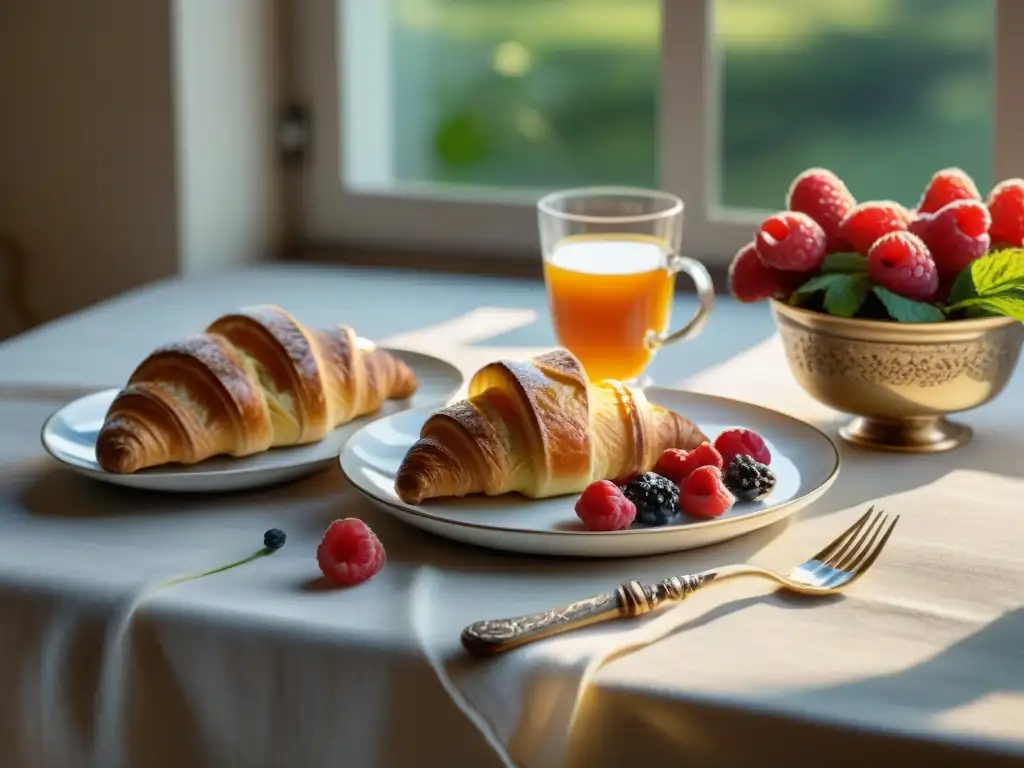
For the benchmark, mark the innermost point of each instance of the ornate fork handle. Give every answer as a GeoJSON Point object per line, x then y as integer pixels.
{"type": "Point", "coordinates": [632, 599]}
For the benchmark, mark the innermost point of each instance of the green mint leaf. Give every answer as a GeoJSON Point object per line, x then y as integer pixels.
{"type": "Point", "coordinates": [819, 283]}
{"type": "Point", "coordinates": [976, 312]}
{"type": "Point", "coordinates": [963, 287]}
{"type": "Point", "coordinates": [844, 293]}
{"type": "Point", "coordinates": [998, 272]}
{"type": "Point", "coordinates": [1008, 304]}
{"type": "Point", "coordinates": [907, 310]}
{"type": "Point", "coordinates": [845, 297]}
{"type": "Point", "coordinates": [848, 263]}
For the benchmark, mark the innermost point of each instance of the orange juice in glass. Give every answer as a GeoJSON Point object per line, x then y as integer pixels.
{"type": "Point", "coordinates": [610, 261]}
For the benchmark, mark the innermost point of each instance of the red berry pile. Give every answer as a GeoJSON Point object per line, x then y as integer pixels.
{"type": "Point", "coordinates": [881, 259]}
{"type": "Point", "coordinates": [701, 483]}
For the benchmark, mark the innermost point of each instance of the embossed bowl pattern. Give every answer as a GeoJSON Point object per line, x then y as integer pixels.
{"type": "Point", "coordinates": [900, 380]}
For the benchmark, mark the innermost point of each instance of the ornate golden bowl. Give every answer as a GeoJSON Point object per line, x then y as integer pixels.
{"type": "Point", "coordinates": [900, 380]}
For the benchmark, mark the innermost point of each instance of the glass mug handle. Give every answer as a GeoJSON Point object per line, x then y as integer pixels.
{"type": "Point", "coordinates": [705, 293]}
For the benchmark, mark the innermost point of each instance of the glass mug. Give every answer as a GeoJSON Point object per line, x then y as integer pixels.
{"type": "Point", "coordinates": [611, 255]}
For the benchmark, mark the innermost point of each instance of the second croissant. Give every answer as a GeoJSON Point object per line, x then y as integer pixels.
{"type": "Point", "coordinates": [541, 428]}
{"type": "Point", "coordinates": [255, 379]}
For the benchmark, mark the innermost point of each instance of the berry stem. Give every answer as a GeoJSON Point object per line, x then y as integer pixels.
{"type": "Point", "coordinates": [254, 556]}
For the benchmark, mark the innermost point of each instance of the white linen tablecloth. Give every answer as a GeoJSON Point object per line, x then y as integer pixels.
{"type": "Point", "coordinates": [920, 663]}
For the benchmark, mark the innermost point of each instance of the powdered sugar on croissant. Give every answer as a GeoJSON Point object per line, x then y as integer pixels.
{"type": "Point", "coordinates": [540, 428]}
{"type": "Point", "coordinates": [255, 379]}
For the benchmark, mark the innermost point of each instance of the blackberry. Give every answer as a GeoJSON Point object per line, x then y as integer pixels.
{"type": "Point", "coordinates": [749, 480]}
{"type": "Point", "coordinates": [656, 498]}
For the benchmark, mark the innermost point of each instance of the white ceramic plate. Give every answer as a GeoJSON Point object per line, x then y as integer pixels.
{"type": "Point", "coordinates": [69, 436]}
{"type": "Point", "coordinates": [804, 459]}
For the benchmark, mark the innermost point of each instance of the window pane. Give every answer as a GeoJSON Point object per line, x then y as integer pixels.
{"type": "Point", "coordinates": [883, 92]}
{"type": "Point", "coordinates": [522, 93]}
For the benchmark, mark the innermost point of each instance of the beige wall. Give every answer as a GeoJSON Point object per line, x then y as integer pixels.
{"type": "Point", "coordinates": [136, 142]}
{"type": "Point", "coordinates": [227, 86]}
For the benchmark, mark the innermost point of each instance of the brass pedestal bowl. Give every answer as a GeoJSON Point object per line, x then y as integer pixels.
{"type": "Point", "coordinates": [900, 380]}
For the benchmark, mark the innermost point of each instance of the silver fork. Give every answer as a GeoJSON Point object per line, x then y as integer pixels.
{"type": "Point", "coordinates": [839, 564]}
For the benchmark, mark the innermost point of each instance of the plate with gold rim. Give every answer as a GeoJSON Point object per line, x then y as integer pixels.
{"type": "Point", "coordinates": [804, 460]}
{"type": "Point", "coordinates": [69, 435]}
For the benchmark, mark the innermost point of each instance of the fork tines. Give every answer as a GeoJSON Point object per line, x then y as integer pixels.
{"type": "Point", "coordinates": [857, 547]}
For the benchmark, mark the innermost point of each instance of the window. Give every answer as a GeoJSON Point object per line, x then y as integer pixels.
{"type": "Point", "coordinates": [883, 93]}
{"type": "Point", "coordinates": [439, 123]}
{"type": "Point", "coordinates": [481, 94]}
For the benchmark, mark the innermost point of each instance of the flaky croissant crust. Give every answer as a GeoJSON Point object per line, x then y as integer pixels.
{"type": "Point", "coordinates": [540, 428]}
{"type": "Point", "coordinates": [255, 379]}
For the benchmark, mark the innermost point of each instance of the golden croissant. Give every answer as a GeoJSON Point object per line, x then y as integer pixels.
{"type": "Point", "coordinates": [255, 379]}
{"type": "Point", "coordinates": [541, 428]}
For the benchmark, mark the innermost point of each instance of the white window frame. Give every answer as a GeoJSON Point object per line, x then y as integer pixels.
{"type": "Point", "coordinates": [502, 223]}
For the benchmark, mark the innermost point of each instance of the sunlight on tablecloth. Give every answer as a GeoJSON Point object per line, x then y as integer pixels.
{"type": "Point", "coordinates": [524, 702]}
{"type": "Point", "coordinates": [926, 646]}
{"type": "Point", "coordinates": [527, 701]}
{"type": "Point", "coordinates": [472, 327]}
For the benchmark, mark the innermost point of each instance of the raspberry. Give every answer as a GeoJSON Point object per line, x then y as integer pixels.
{"type": "Point", "coordinates": [900, 261]}
{"type": "Point", "coordinates": [603, 507]}
{"type": "Point", "coordinates": [791, 241]}
{"type": "Point", "coordinates": [349, 552]}
{"type": "Point", "coordinates": [738, 442]}
{"type": "Point", "coordinates": [750, 280]}
{"type": "Point", "coordinates": [672, 464]}
{"type": "Point", "coordinates": [705, 495]}
{"type": "Point", "coordinates": [1006, 204]}
{"type": "Point", "coordinates": [955, 235]}
{"type": "Point", "coordinates": [869, 221]}
{"type": "Point", "coordinates": [945, 186]}
{"type": "Point", "coordinates": [676, 464]}
{"type": "Point", "coordinates": [824, 197]}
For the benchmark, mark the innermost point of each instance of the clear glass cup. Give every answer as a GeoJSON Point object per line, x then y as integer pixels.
{"type": "Point", "coordinates": [611, 255]}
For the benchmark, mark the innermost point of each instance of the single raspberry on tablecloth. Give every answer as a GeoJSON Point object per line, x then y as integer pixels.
{"type": "Point", "coordinates": [1006, 206]}
{"type": "Point", "coordinates": [349, 552]}
{"type": "Point", "coordinates": [901, 262]}
{"type": "Point", "coordinates": [603, 507]}
{"type": "Point", "coordinates": [945, 186]}
{"type": "Point", "coordinates": [734, 442]}
{"type": "Point", "coordinates": [791, 241]}
{"type": "Point", "coordinates": [751, 280]}
{"type": "Point", "coordinates": [824, 197]}
{"type": "Point", "coordinates": [955, 235]}
{"type": "Point", "coordinates": [677, 464]}
{"type": "Point", "coordinates": [870, 220]}
{"type": "Point", "coordinates": [704, 494]}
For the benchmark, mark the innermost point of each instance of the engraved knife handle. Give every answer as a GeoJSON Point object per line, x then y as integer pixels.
{"type": "Point", "coordinates": [634, 598]}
